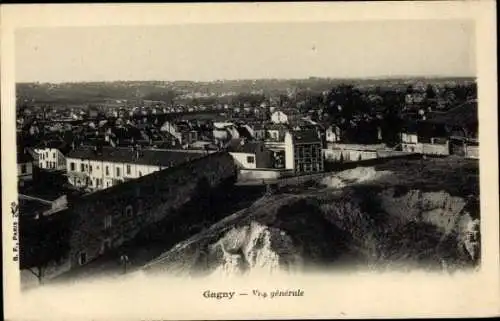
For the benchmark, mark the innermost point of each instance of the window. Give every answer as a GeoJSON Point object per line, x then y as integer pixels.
{"type": "Point", "coordinates": [54, 155]}
{"type": "Point", "coordinates": [118, 172]}
{"type": "Point", "coordinates": [72, 166]}
{"type": "Point", "coordinates": [128, 169]}
{"type": "Point", "coordinates": [140, 173]}
{"type": "Point", "coordinates": [90, 169]}
{"type": "Point", "coordinates": [250, 159]}
{"type": "Point", "coordinates": [90, 182]}
{"type": "Point", "coordinates": [46, 164]}
{"type": "Point", "coordinates": [23, 169]}
{"type": "Point", "coordinates": [82, 258]}
{"type": "Point", "coordinates": [82, 167]}
{"type": "Point", "coordinates": [108, 222]}
{"type": "Point", "coordinates": [107, 170]}
{"type": "Point", "coordinates": [47, 154]}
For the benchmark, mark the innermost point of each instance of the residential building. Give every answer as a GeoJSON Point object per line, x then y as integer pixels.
{"type": "Point", "coordinates": [461, 124]}
{"type": "Point", "coordinates": [250, 155]}
{"type": "Point", "coordinates": [100, 168]}
{"type": "Point", "coordinates": [333, 134]}
{"type": "Point", "coordinates": [424, 138]}
{"type": "Point", "coordinates": [285, 116]}
{"type": "Point", "coordinates": [259, 132]}
{"type": "Point", "coordinates": [51, 155]}
{"type": "Point", "coordinates": [409, 139]}
{"type": "Point", "coordinates": [303, 151]}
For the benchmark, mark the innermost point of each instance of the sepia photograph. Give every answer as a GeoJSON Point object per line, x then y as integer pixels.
{"type": "Point", "coordinates": [206, 151]}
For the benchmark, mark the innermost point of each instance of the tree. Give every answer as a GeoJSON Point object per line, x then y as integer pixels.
{"type": "Point", "coordinates": [430, 93]}
{"type": "Point", "coordinates": [430, 97]}
{"type": "Point", "coordinates": [349, 98]}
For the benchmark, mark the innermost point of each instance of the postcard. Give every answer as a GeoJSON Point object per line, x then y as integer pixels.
{"type": "Point", "coordinates": [250, 161]}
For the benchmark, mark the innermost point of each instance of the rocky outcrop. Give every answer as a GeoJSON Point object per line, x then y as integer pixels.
{"type": "Point", "coordinates": [344, 225]}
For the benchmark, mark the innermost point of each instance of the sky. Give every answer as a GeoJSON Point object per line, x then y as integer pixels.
{"type": "Point", "coordinates": [204, 52]}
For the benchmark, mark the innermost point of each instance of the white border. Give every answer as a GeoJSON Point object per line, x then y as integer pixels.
{"type": "Point", "coordinates": [360, 295]}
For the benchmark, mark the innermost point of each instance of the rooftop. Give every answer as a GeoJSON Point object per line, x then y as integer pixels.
{"type": "Point", "coordinates": [305, 137]}
{"type": "Point", "coordinates": [129, 155]}
{"type": "Point", "coordinates": [250, 148]}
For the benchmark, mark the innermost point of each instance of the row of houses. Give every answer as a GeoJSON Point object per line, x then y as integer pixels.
{"type": "Point", "coordinates": [292, 145]}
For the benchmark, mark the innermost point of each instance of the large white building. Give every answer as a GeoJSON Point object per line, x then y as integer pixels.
{"type": "Point", "coordinates": [99, 168]}
{"type": "Point", "coordinates": [51, 158]}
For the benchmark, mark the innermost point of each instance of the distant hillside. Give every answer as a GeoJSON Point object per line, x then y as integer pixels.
{"type": "Point", "coordinates": [95, 92]}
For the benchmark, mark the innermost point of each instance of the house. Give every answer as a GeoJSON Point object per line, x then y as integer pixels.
{"type": "Point", "coordinates": [333, 134]}
{"type": "Point", "coordinates": [424, 138]}
{"type": "Point", "coordinates": [250, 155]}
{"type": "Point", "coordinates": [285, 116]}
{"type": "Point", "coordinates": [52, 155]}
{"type": "Point", "coordinates": [102, 167]}
{"type": "Point", "coordinates": [172, 129]}
{"type": "Point", "coordinates": [409, 138]}
{"type": "Point", "coordinates": [224, 132]}
{"type": "Point", "coordinates": [245, 132]}
{"type": "Point", "coordinates": [275, 132]}
{"type": "Point", "coordinates": [461, 124]}
{"type": "Point", "coordinates": [259, 131]}
{"type": "Point", "coordinates": [303, 151]}
{"type": "Point", "coordinates": [24, 167]}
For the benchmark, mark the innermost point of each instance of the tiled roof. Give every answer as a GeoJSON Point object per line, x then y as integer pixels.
{"type": "Point", "coordinates": [250, 148]}
{"type": "Point", "coordinates": [276, 127]}
{"type": "Point", "coordinates": [128, 155]}
{"type": "Point", "coordinates": [62, 146]}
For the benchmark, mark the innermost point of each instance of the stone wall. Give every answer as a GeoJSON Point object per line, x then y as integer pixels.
{"type": "Point", "coordinates": [129, 207]}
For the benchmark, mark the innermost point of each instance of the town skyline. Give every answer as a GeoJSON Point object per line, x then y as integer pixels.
{"type": "Point", "coordinates": [251, 51]}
